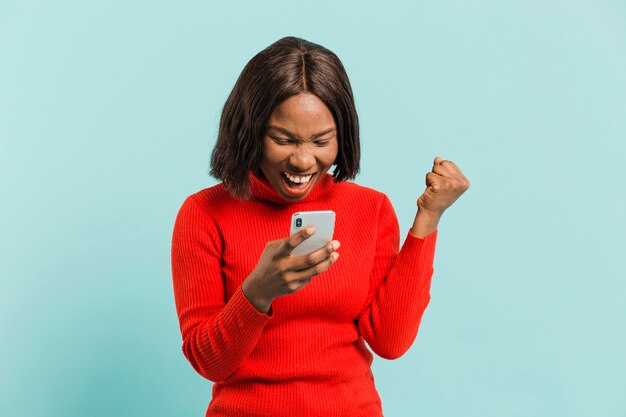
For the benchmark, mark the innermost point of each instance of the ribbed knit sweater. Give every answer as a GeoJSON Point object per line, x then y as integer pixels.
{"type": "Point", "coordinates": [307, 356]}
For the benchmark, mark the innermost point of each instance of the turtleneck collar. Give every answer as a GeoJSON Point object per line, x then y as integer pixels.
{"type": "Point", "coordinates": [262, 190]}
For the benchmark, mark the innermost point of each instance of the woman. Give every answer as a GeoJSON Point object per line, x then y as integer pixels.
{"type": "Point", "coordinates": [284, 335]}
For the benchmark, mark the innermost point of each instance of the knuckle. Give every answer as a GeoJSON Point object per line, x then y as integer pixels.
{"type": "Point", "coordinates": [310, 259]}
{"type": "Point", "coordinates": [280, 265]}
{"type": "Point", "coordinates": [288, 277]}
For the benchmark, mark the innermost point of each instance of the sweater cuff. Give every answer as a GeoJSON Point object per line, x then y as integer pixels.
{"type": "Point", "coordinates": [433, 235]}
{"type": "Point", "coordinates": [418, 252]}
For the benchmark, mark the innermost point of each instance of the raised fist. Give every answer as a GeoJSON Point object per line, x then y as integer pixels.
{"type": "Point", "coordinates": [444, 184]}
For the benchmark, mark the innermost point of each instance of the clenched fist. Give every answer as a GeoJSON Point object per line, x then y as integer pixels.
{"type": "Point", "coordinates": [444, 184]}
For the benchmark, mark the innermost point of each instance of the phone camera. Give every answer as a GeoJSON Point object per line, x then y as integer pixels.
{"type": "Point", "coordinates": [298, 222]}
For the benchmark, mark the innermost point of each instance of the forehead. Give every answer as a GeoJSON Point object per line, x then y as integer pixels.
{"type": "Point", "coordinates": [302, 113]}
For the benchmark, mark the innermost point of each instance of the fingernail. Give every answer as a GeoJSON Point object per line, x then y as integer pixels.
{"type": "Point", "coordinates": [310, 230]}
{"type": "Point", "coordinates": [336, 255]}
{"type": "Point", "coordinates": [336, 245]}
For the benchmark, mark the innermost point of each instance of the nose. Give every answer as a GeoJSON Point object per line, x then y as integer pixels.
{"type": "Point", "coordinates": [302, 158]}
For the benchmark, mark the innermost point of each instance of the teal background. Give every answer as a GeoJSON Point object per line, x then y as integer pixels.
{"type": "Point", "coordinates": [108, 114]}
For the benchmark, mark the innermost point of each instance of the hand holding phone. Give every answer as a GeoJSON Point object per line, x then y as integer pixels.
{"type": "Point", "coordinates": [279, 272]}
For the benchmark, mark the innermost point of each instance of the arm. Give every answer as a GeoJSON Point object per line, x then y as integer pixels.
{"type": "Point", "coordinates": [399, 286]}
{"type": "Point", "coordinates": [217, 335]}
{"type": "Point", "coordinates": [400, 282]}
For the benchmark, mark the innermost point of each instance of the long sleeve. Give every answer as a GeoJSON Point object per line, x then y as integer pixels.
{"type": "Point", "coordinates": [217, 335]}
{"type": "Point", "coordinates": [399, 287]}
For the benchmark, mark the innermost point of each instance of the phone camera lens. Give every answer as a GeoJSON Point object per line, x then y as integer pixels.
{"type": "Point", "coordinates": [298, 222]}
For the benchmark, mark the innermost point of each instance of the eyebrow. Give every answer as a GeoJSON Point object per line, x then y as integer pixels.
{"type": "Point", "coordinates": [293, 135]}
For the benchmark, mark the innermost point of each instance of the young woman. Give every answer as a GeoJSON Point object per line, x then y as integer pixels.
{"type": "Point", "coordinates": [284, 335]}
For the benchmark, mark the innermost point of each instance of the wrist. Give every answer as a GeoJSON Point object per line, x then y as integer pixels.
{"type": "Point", "coordinates": [426, 222]}
{"type": "Point", "coordinates": [254, 297]}
{"type": "Point", "coordinates": [429, 214]}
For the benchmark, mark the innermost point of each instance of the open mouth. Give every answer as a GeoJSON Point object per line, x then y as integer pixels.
{"type": "Point", "coordinates": [297, 184]}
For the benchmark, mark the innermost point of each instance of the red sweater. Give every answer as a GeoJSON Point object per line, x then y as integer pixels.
{"type": "Point", "coordinates": [307, 356]}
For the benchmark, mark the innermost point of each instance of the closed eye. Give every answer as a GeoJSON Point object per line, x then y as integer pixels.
{"type": "Point", "coordinates": [289, 141]}
{"type": "Point", "coordinates": [281, 141]}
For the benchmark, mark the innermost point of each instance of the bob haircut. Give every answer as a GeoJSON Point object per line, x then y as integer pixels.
{"type": "Point", "coordinates": [287, 67]}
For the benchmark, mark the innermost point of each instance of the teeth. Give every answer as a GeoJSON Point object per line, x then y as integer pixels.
{"type": "Point", "coordinates": [299, 180]}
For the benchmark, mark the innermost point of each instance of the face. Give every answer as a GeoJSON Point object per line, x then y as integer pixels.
{"type": "Point", "coordinates": [299, 146]}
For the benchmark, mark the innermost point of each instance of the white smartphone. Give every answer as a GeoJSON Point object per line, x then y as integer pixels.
{"type": "Point", "coordinates": [324, 222]}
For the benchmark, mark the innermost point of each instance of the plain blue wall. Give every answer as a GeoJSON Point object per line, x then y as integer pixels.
{"type": "Point", "coordinates": [108, 114]}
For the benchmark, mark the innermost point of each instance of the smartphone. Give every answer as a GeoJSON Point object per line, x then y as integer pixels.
{"type": "Point", "coordinates": [324, 222]}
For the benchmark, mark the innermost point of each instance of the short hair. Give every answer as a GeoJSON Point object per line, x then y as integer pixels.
{"type": "Point", "coordinates": [287, 67]}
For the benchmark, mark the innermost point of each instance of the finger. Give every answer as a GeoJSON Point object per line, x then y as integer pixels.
{"type": "Point", "coordinates": [299, 263]}
{"type": "Point", "coordinates": [295, 286]}
{"type": "Point", "coordinates": [437, 167]}
{"type": "Point", "coordinates": [290, 243]}
{"type": "Point", "coordinates": [449, 169]}
{"type": "Point", "coordinates": [307, 274]}
{"type": "Point", "coordinates": [433, 178]}
{"type": "Point", "coordinates": [446, 168]}
{"type": "Point", "coordinates": [459, 173]}
{"type": "Point", "coordinates": [450, 165]}
{"type": "Point", "coordinates": [442, 170]}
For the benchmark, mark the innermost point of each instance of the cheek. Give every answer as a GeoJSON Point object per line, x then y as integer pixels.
{"type": "Point", "coordinates": [271, 155]}
{"type": "Point", "coordinates": [330, 155]}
